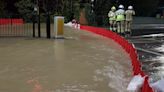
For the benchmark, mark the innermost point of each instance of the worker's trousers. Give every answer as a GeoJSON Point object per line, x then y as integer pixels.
{"type": "Point", "coordinates": [112, 25]}
{"type": "Point", "coordinates": [120, 27]}
{"type": "Point", "coordinates": [128, 26]}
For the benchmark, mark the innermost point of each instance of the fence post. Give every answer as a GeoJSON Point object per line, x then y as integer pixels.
{"type": "Point", "coordinates": [48, 26]}
{"type": "Point", "coordinates": [33, 26]}
{"type": "Point", "coordinates": [39, 26]}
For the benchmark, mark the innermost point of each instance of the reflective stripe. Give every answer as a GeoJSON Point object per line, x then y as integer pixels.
{"type": "Point", "coordinates": [120, 15]}
{"type": "Point", "coordinates": [129, 15]}
{"type": "Point", "coordinates": [120, 18]}
{"type": "Point", "coordinates": [112, 15]}
{"type": "Point", "coordinates": [112, 18]}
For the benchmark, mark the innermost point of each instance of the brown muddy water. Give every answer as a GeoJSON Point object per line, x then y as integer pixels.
{"type": "Point", "coordinates": [82, 62]}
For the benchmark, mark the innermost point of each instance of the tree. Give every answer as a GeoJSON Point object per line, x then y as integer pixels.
{"type": "Point", "coordinates": [101, 9]}
{"type": "Point", "coordinates": [101, 13]}
{"type": "Point", "coordinates": [66, 8]}
{"type": "Point", "coordinates": [25, 8]}
{"type": "Point", "coordinates": [2, 7]}
{"type": "Point", "coordinates": [71, 9]}
{"type": "Point", "coordinates": [52, 6]}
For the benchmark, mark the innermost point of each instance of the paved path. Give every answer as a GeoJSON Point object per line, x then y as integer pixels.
{"type": "Point", "coordinates": [83, 62]}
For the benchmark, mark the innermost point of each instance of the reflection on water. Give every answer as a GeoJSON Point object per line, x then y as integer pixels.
{"type": "Point", "coordinates": [152, 58]}
{"type": "Point", "coordinates": [83, 62]}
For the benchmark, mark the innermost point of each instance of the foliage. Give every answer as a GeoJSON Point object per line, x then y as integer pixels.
{"type": "Point", "coordinates": [90, 16]}
{"type": "Point", "coordinates": [76, 11]}
{"type": "Point", "coordinates": [99, 16]}
{"type": "Point", "coordinates": [25, 8]}
{"type": "Point", "coordinates": [102, 7]}
{"type": "Point", "coordinates": [2, 7]}
{"type": "Point", "coordinates": [54, 6]}
{"type": "Point", "coordinates": [70, 8]}
{"type": "Point", "coordinates": [101, 10]}
{"type": "Point", "coordinates": [67, 8]}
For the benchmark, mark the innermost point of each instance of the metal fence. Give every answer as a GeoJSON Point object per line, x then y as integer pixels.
{"type": "Point", "coordinates": [19, 26]}
{"type": "Point", "coordinates": [15, 26]}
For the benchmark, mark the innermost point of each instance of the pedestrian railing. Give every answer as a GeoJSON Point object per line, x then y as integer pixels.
{"type": "Point", "coordinates": [15, 27]}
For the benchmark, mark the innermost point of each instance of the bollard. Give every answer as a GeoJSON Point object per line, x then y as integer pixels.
{"type": "Point", "coordinates": [59, 27]}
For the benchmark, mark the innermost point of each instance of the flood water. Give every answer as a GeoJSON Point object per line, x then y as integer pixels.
{"type": "Point", "coordinates": [82, 62]}
{"type": "Point", "coordinates": [150, 52]}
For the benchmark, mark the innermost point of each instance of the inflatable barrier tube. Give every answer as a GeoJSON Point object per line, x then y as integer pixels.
{"type": "Point", "coordinates": [128, 47]}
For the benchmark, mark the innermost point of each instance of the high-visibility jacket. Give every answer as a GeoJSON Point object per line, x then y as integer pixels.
{"type": "Point", "coordinates": [129, 15]}
{"type": "Point", "coordinates": [112, 15]}
{"type": "Point", "coordinates": [120, 15]}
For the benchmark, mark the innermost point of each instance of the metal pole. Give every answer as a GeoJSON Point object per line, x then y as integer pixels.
{"type": "Point", "coordinates": [33, 25]}
{"type": "Point", "coordinates": [38, 13]}
{"type": "Point", "coordinates": [48, 26]}
{"type": "Point", "coordinates": [39, 26]}
{"type": "Point", "coordinates": [48, 20]}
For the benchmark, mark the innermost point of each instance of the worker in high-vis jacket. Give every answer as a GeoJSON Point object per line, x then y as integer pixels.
{"type": "Point", "coordinates": [120, 19]}
{"type": "Point", "coordinates": [128, 20]}
{"type": "Point", "coordinates": [112, 18]}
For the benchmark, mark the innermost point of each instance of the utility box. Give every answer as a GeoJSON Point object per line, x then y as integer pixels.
{"type": "Point", "coordinates": [59, 27]}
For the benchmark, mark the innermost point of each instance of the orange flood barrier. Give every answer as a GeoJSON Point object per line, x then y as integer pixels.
{"type": "Point", "coordinates": [11, 21]}
{"type": "Point", "coordinates": [128, 47]}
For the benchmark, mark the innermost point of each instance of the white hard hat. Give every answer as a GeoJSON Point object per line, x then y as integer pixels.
{"type": "Point", "coordinates": [113, 8]}
{"type": "Point", "coordinates": [121, 6]}
{"type": "Point", "coordinates": [130, 7]}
